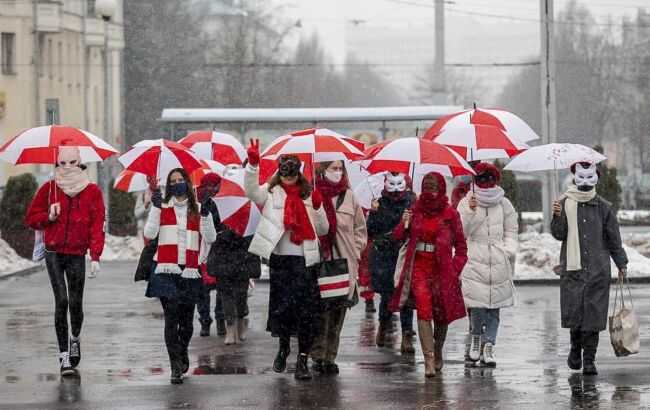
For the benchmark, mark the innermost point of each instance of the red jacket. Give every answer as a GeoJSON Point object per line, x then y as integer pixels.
{"type": "Point", "coordinates": [79, 227]}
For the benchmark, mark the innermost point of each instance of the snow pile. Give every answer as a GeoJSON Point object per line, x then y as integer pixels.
{"type": "Point", "coordinates": [638, 241]}
{"type": "Point", "coordinates": [122, 248]}
{"type": "Point", "coordinates": [532, 217]}
{"type": "Point", "coordinates": [633, 217]}
{"type": "Point", "coordinates": [540, 253]}
{"type": "Point", "coordinates": [10, 261]}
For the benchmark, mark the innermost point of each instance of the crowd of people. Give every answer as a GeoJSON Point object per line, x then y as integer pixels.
{"type": "Point", "coordinates": [445, 259]}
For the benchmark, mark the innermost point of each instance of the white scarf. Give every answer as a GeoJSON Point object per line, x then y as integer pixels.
{"type": "Point", "coordinates": [573, 197]}
{"type": "Point", "coordinates": [488, 197]}
{"type": "Point", "coordinates": [71, 180]}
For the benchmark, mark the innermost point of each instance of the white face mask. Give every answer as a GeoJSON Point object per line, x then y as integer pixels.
{"type": "Point", "coordinates": [395, 183]}
{"type": "Point", "coordinates": [68, 158]}
{"type": "Point", "coordinates": [334, 176]}
{"type": "Point", "coordinates": [586, 177]}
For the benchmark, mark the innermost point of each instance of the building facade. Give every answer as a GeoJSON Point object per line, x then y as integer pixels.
{"type": "Point", "coordinates": [52, 70]}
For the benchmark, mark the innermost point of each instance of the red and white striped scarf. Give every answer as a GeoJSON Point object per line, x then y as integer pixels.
{"type": "Point", "coordinates": [167, 256]}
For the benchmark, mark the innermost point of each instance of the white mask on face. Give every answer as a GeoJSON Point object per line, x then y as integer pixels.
{"type": "Point", "coordinates": [395, 183]}
{"type": "Point", "coordinates": [69, 158]}
{"type": "Point", "coordinates": [334, 176]}
{"type": "Point", "coordinates": [586, 177]}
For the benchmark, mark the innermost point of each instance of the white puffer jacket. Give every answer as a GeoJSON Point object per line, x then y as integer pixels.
{"type": "Point", "coordinates": [271, 226]}
{"type": "Point", "coordinates": [492, 241]}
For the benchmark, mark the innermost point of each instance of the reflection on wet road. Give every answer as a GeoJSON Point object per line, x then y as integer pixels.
{"type": "Point", "coordinates": [125, 363]}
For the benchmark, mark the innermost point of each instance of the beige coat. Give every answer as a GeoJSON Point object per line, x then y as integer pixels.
{"type": "Point", "coordinates": [351, 235]}
{"type": "Point", "coordinates": [271, 226]}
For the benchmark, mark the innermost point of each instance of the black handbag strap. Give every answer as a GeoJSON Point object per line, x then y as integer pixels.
{"type": "Point", "coordinates": [340, 199]}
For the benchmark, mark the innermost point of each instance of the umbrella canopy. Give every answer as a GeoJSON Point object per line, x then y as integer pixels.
{"type": "Point", "coordinates": [480, 142]}
{"type": "Point", "coordinates": [207, 166]}
{"type": "Point", "coordinates": [322, 144]}
{"type": "Point", "coordinates": [405, 154]}
{"type": "Point", "coordinates": [40, 145]}
{"type": "Point", "coordinates": [216, 146]}
{"type": "Point", "coordinates": [158, 157]}
{"type": "Point", "coordinates": [235, 209]}
{"type": "Point", "coordinates": [553, 157]}
{"type": "Point", "coordinates": [502, 119]}
{"type": "Point", "coordinates": [129, 181]}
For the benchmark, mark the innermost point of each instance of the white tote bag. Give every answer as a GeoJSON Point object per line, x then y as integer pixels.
{"type": "Point", "coordinates": [623, 324]}
{"type": "Point", "coordinates": [39, 246]}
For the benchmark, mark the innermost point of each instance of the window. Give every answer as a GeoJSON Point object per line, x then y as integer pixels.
{"type": "Point", "coordinates": [8, 47]}
{"type": "Point", "coordinates": [90, 8]}
{"type": "Point", "coordinates": [52, 111]}
{"type": "Point", "coordinates": [59, 56]}
{"type": "Point", "coordinates": [50, 59]}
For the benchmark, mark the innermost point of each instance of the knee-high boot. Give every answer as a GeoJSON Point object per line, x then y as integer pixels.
{"type": "Point", "coordinates": [439, 336]}
{"type": "Point", "coordinates": [589, 346]}
{"type": "Point", "coordinates": [425, 332]}
{"type": "Point", "coordinates": [574, 361]}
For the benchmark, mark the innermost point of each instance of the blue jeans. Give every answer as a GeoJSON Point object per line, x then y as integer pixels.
{"type": "Point", "coordinates": [486, 322]}
{"type": "Point", "coordinates": [203, 307]}
{"type": "Point", "coordinates": [405, 315]}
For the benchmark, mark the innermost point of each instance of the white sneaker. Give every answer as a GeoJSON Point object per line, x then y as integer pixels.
{"type": "Point", "coordinates": [488, 358]}
{"type": "Point", "coordinates": [475, 348]}
{"type": "Point", "coordinates": [66, 366]}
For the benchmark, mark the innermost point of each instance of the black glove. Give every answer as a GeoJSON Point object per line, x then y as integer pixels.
{"type": "Point", "coordinates": [207, 206]}
{"type": "Point", "coordinates": [157, 198]}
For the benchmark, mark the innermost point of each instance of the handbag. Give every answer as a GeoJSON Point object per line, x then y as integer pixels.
{"type": "Point", "coordinates": [146, 262]}
{"type": "Point", "coordinates": [39, 246]}
{"type": "Point", "coordinates": [623, 324]}
{"type": "Point", "coordinates": [334, 278]}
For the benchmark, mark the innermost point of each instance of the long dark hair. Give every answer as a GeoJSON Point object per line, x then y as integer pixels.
{"type": "Point", "coordinates": [192, 207]}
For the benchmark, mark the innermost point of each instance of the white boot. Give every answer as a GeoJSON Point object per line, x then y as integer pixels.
{"type": "Point", "coordinates": [475, 348]}
{"type": "Point", "coordinates": [242, 328]}
{"type": "Point", "coordinates": [231, 334]}
{"type": "Point", "coordinates": [488, 359]}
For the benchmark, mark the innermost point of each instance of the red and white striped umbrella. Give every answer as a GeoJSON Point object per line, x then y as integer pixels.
{"type": "Point", "coordinates": [480, 142]}
{"type": "Point", "coordinates": [321, 143]}
{"type": "Point", "coordinates": [235, 209]}
{"type": "Point", "coordinates": [158, 157]}
{"type": "Point", "coordinates": [207, 166]}
{"type": "Point", "coordinates": [40, 145]}
{"type": "Point", "coordinates": [129, 181]}
{"type": "Point", "coordinates": [216, 146]}
{"type": "Point", "coordinates": [502, 119]}
{"type": "Point", "coordinates": [406, 154]}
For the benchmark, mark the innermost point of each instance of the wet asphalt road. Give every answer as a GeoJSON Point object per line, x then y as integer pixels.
{"type": "Point", "coordinates": [125, 364]}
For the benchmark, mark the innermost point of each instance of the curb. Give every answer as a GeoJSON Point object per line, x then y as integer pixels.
{"type": "Point", "coordinates": [545, 282]}
{"type": "Point", "coordinates": [23, 272]}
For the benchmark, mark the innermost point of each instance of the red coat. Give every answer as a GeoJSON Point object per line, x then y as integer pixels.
{"type": "Point", "coordinates": [451, 256]}
{"type": "Point", "coordinates": [79, 227]}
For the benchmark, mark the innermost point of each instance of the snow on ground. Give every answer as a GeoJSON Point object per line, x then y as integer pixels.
{"type": "Point", "coordinates": [539, 253]}
{"type": "Point", "coordinates": [10, 261]}
{"type": "Point", "coordinates": [633, 217]}
{"type": "Point", "coordinates": [639, 241]}
{"type": "Point", "coordinates": [122, 248]}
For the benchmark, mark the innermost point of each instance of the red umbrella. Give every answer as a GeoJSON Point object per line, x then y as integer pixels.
{"type": "Point", "coordinates": [502, 119]}
{"type": "Point", "coordinates": [235, 209]}
{"type": "Point", "coordinates": [405, 154]}
{"type": "Point", "coordinates": [158, 157]}
{"type": "Point", "coordinates": [322, 144]}
{"type": "Point", "coordinates": [216, 146]}
{"type": "Point", "coordinates": [480, 142]}
{"type": "Point", "coordinates": [40, 145]}
{"type": "Point", "coordinates": [207, 166]}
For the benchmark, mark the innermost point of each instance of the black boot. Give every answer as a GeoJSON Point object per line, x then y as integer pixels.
{"type": "Point", "coordinates": [302, 370]}
{"type": "Point", "coordinates": [574, 361]}
{"type": "Point", "coordinates": [370, 306]}
{"type": "Point", "coordinates": [221, 327]}
{"type": "Point", "coordinates": [589, 346]}
{"type": "Point", "coordinates": [280, 362]}
{"type": "Point", "coordinates": [318, 366]}
{"type": "Point", "coordinates": [185, 362]}
{"type": "Point", "coordinates": [205, 328]}
{"type": "Point", "coordinates": [177, 372]}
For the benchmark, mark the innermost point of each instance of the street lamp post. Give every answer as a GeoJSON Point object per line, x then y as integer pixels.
{"type": "Point", "coordinates": [106, 9]}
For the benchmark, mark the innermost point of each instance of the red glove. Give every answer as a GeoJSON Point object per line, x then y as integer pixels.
{"type": "Point", "coordinates": [254, 152]}
{"type": "Point", "coordinates": [316, 199]}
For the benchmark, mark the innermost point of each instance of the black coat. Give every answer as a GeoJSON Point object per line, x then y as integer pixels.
{"type": "Point", "coordinates": [229, 259]}
{"type": "Point", "coordinates": [382, 257]}
{"type": "Point", "coordinates": [584, 294]}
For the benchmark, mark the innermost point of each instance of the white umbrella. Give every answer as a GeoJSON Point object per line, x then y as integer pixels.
{"type": "Point", "coordinates": [555, 156]}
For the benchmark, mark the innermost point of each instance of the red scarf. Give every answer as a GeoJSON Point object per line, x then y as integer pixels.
{"type": "Point", "coordinates": [330, 190]}
{"type": "Point", "coordinates": [430, 204]}
{"type": "Point", "coordinates": [296, 220]}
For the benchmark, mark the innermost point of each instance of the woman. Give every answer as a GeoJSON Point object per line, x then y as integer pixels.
{"type": "Point", "coordinates": [287, 235]}
{"type": "Point", "coordinates": [383, 217]}
{"type": "Point", "coordinates": [429, 267]}
{"type": "Point", "coordinates": [491, 229]}
{"type": "Point", "coordinates": [70, 211]}
{"type": "Point", "coordinates": [179, 225]}
{"type": "Point", "coordinates": [588, 229]}
{"type": "Point", "coordinates": [346, 239]}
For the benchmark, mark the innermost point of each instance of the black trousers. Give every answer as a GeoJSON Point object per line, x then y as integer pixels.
{"type": "Point", "coordinates": [178, 329]}
{"type": "Point", "coordinates": [293, 301]}
{"type": "Point", "coordinates": [68, 297]}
